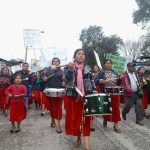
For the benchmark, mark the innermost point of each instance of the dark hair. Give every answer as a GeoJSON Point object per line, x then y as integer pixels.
{"type": "Point", "coordinates": [56, 58]}
{"type": "Point", "coordinates": [18, 74]}
{"type": "Point", "coordinates": [25, 64]}
{"type": "Point", "coordinates": [76, 51]}
{"type": "Point", "coordinates": [108, 60]}
{"type": "Point", "coordinates": [140, 68]}
{"type": "Point", "coordinates": [3, 69]}
{"type": "Point", "coordinates": [97, 67]}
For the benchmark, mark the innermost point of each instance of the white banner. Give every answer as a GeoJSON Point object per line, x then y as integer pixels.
{"type": "Point", "coordinates": [32, 38]}
{"type": "Point", "coordinates": [98, 60]}
{"type": "Point", "coordinates": [49, 53]}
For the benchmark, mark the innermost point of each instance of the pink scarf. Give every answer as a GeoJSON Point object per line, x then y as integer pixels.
{"type": "Point", "coordinates": [80, 85]}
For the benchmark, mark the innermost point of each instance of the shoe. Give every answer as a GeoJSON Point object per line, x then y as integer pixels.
{"type": "Point", "coordinates": [53, 124]}
{"type": "Point", "coordinates": [124, 116]}
{"type": "Point", "coordinates": [42, 114]}
{"type": "Point", "coordinates": [16, 130]}
{"type": "Point", "coordinates": [104, 123]}
{"type": "Point", "coordinates": [117, 130]}
{"type": "Point", "coordinates": [77, 143]}
{"type": "Point", "coordinates": [139, 122]}
{"type": "Point", "coordinates": [58, 131]}
{"type": "Point", "coordinates": [12, 129]}
{"type": "Point", "coordinates": [147, 115]}
{"type": "Point", "coordinates": [93, 129]}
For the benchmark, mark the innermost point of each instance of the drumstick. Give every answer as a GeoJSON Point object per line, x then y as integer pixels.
{"type": "Point", "coordinates": [50, 75]}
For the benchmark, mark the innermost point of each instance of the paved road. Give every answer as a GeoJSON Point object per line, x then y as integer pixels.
{"type": "Point", "coordinates": [36, 134]}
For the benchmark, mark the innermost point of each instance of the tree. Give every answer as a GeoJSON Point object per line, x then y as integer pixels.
{"type": "Point", "coordinates": [93, 38]}
{"type": "Point", "coordinates": [132, 48]}
{"type": "Point", "coordinates": [142, 15]}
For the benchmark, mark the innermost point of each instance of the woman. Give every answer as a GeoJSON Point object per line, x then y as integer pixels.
{"type": "Point", "coordinates": [108, 77]}
{"type": "Point", "coordinates": [54, 80]}
{"type": "Point", "coordinates": [96, 71]}
{"type": "Point", "coordinates": [141, 72]}
{"type": "Point", "coordinates": [80, 76]}
{"type": "Point", "coordinates": [42, 93]}
{"type": "Point", "coordinates": [4, 84]}
{"type": "Point", "coordinates": [16, 92]}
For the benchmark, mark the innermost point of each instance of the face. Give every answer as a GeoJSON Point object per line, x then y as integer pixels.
{"type": "Point", "coordinates": [80, 57]}
{"type": "Point", "coordinates": [142, 71]}
{"type": "Point", "coordinates": [108, 65]}
{"type": "Point", "coordinates": [96, 69]}
{"type": "Point", "coordinates": [18, 80]}
{"type": "Point", "coordinates": [131, 69]}
{"type": "Point", "coordinates": [25, 67]}
{"type": "Point", "coordinates": [44, 71]}
{"type": "Point", "coordinates": [4, 65]}
{"type": "Point", "coordinates": [5, 71]}
{"type": "Point", "coordinates": [56, 62]}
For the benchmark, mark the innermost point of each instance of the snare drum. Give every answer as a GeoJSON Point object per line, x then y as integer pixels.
{"type": "Point", "coordinates": [97, 104]}
{"type": "Point", "coordinates": [54, 92]}
{"type": "Point", "coordinates": [114, 90]}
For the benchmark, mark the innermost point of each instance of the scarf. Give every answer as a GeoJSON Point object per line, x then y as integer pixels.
{"type": "Point", "coordinates": [79, 79]}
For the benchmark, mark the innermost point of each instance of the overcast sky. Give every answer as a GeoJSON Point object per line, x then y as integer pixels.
{"type": "Point", "coordinates": [62, 22]}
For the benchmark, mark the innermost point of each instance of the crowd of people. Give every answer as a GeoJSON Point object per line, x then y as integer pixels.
{"type": "Point", "coordinates": [46, 88]}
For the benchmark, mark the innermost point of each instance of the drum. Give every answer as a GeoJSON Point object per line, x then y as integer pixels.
{"type": "Point", "coordinates": [97, 104]}
{"type": "Point", "coordinates": [114, 90]}
{"type": "Point", "coordinates": [54, 92]}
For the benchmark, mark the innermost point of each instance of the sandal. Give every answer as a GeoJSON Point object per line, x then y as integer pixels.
{"type": "Point", "coordinates": [12, 129]}
{"type": "Point", "coordinates": [77, 143]}
{"type": "Point", "coordinates": [53, 124]}
{"type": "Point", "coordinates": [16, 130]}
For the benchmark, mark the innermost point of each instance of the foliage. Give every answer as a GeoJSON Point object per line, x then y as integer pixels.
{"type": "Point", "coordinates": [93, 38]}
{"type": "Point", "coordinates": [142, 15]}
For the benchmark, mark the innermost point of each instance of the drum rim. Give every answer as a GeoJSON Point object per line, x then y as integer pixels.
{"type": "Point", "coordinates": [97, 94]}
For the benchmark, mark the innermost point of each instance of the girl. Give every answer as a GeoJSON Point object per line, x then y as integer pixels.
{"type": "Point", "coordinates": [16, 92]}
{"type": "Point", "coordinates": [80, 76]}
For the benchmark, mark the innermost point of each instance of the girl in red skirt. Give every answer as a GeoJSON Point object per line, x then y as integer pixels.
{"type": "Point", "coordinates": [16, 93]}
{"type": "Point", "coordinates": [78, 76]}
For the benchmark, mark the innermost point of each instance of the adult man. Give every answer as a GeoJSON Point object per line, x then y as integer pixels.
{"type": "Point", "coordinates": [25, 73]}
{"type": "Point", "coordinates": [131, 83]}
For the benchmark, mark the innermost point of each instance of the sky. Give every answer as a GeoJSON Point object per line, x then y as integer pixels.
{"type": "Point", "coordinates": [62, 22]}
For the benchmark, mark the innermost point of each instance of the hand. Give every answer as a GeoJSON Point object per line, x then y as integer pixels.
{"type": "Point", "coordinates": [102, 81]}
{"type": "Point", "coordinates": [121, 77]}
{"type": "Point", "coordinates": [9, 95]}
{"type": "Point", "coordinates": [63, 84]}
{"type": "Point", "coordinates": [45, 78]}
{"type": "Point", "coordinates": [16, 96]}
{"type": "Point", "coordinates": [53, 67]}
{"type": "Point", "coordinates": [71, 66]}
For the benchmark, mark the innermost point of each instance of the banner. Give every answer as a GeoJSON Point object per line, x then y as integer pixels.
{"type": "Point", "coordinates": [35, 65]}
{"type": "Point", "coordinates": [32, 38]}
{"type": "Point", "coordinates": [49, 53]}
{"type": "Point", "coordinates": [118, 62]}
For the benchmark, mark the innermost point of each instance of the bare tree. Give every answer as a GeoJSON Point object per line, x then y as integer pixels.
{"type": "Point", "coordinates": [133, 48]}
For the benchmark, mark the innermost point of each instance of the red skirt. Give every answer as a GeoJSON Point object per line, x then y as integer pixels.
{"type": "Point", "coordinates": [3, 103]}
{"type": "Point", "coordinates": [145, 99]}
{"type": "Point", "coordinates": [115, 104]}
{"type": "Point", "coordinates": [17, 111]}
{"type": "Point", "coordinates": [44, 100]}
{"type": "Point", "coordinates": [76, 123]}
{"type": "Point", "coordinates": [37, 97]}
{"type": "Point", "coordinates": [55, 107]}
{"type": "Point", "coordinates": [65, 101]}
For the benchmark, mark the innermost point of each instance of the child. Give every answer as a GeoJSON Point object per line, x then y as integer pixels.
{"type": "Point", "coordinates": [16, 93]}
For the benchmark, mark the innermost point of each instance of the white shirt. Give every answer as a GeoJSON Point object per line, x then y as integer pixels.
{"type": "Point", "coordinates": [133, 81]}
